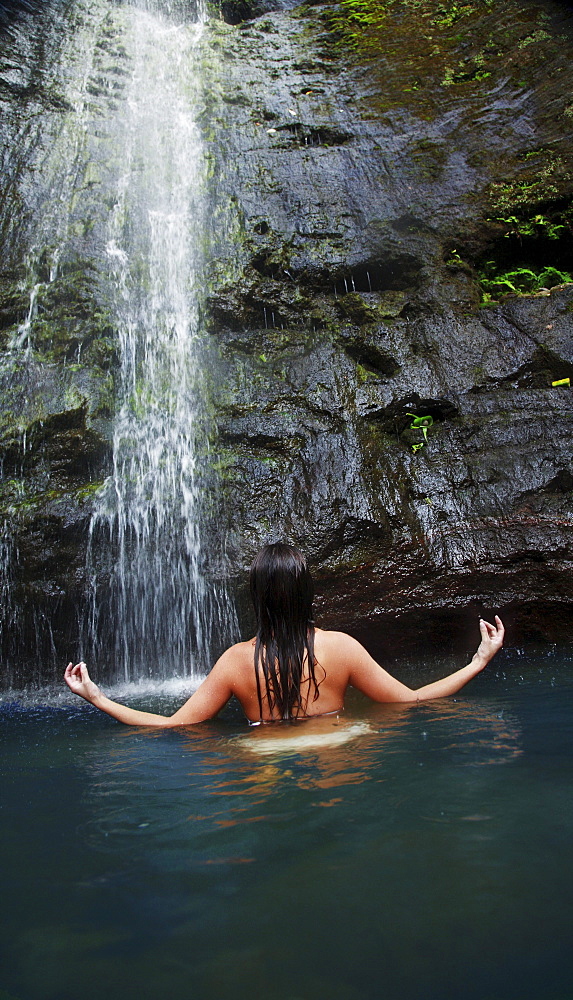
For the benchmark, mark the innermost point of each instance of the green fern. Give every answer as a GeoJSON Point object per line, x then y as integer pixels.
{"type": "Point", "coordinates": [520, 281]}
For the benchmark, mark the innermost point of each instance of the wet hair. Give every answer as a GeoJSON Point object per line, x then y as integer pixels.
{"type": "Point", "coordinates": [282, 592]}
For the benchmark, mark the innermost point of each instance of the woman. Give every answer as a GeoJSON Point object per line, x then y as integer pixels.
{"type": "Point", "coordinates": [290, 670]}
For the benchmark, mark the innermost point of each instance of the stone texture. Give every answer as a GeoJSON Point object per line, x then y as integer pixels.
{"type": "Point", "coordinates": [357, 194]}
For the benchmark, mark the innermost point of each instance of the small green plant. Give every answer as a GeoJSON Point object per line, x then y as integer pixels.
{"type": "Point", "coordinates": [448, 14]}
{"type": "Point", "coordinates": [353, 19]}
{"type": "Point", "coordinates": [542, 186]}
{"type": "Point", "coordinates": [537, 36]}
{"type": "Point", "coordinates": [519, 281]}
{"type": "Point", "coordinates": [420, 424]}
{"type": "Point", "coordinates": [467, 71]}
{"type": "Point", "coordinates": [552, 276]}
{"type": "Point", "coordinates": [537, 225]}
{"type": "Point", "coordinates": [454, 260]}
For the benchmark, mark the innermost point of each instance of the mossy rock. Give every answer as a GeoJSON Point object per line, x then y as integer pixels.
{"type": "Point", "coordinates": [355, 308]}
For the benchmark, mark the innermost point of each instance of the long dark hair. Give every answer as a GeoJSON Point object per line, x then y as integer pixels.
{"type": "Point", "coordinates": [282, 593]}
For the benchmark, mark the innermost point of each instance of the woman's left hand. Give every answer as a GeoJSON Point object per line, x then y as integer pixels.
{"type": "Point", "coordinates": [491, 639]}
{"type": "Point", "coordinates": [80, 682]}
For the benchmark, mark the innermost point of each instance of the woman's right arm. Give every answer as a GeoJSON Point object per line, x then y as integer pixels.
{"type": "Point", "coordinates": [214, 692]}
{"type": "Point", "coordinates": [367, 676]}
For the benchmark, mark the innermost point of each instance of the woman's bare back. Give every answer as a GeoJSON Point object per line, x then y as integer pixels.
{"type": "Point", "coordinates": [330, 674]}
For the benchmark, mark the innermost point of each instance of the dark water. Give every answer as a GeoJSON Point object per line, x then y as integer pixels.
{"type": "Point", "coordinates": [403, 853]}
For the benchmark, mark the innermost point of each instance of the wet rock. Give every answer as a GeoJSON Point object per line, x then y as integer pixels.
{"type": "Point", "coordinates": [367, 259]}
{"type": "Point", "coordinates": [238, 11]}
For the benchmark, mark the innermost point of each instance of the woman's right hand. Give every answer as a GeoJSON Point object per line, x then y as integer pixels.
{"type": "Point", "coordinates": [80, 682]}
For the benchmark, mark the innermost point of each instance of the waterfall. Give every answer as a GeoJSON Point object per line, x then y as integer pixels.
{"type": "Point", "coordinates": [156, 607]}
{"type": "Point", "coordinates": [114, 182]}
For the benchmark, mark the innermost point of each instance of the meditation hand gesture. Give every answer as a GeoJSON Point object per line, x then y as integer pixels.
{"type": "Point", "coordinates": [491, 639]}
{"type": "Point", "coordinates": [80, 682]}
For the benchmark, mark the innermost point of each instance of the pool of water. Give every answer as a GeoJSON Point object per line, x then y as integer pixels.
{"type": "Point", "coordinates": [398, 852]}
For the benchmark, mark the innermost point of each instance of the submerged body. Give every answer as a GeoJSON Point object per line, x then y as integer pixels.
{"type": "Point", "coordinates": [340, 662]}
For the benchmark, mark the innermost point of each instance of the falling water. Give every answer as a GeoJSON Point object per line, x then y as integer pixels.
{"type": "Point", "coordinates": [156, 605]}
{"type": "Point", "coordinates": [8, 612]}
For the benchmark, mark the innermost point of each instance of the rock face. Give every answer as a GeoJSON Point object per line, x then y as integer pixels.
{"type": "Point", "coordinates": [379, 179]}
{"type": "Point", "coordinates": [57, 338]}
{"type": "Point", "coordinates": [390, 240]}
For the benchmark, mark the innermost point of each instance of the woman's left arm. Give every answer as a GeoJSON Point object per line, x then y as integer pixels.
{"type": "Point", "coordinates": [211, 695]}
{"type": "Point", "coordinates": [366, 675]}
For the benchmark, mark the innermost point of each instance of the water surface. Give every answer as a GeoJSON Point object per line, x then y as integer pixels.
{"type": "Point", "coordinates": [411, 852]}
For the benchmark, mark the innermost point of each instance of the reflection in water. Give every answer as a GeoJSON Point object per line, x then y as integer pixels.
{"type": "Point", "coordinates": [205, 776]}
{"type": "Point", "coordinates": [483, 736]}
{"type": "Point", "coordinates": [313, 735]}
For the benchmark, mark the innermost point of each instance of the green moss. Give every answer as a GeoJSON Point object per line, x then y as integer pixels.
{"type": "Point", "coordinates": [449, 13]}
{"type": "Point", "coordinates": [543, 184]}
{"type": "Point", "coordinates": [364, 374]}
{"type": "Point", "coordinates": [89, 491]}
{"type": "Point", "coordinates": [429, 159]}
{"type": "Point", "coordinates": [391, 305]}
{"type": "Point", "coordinates": [69, 323]}
{"type": "Point", "coordinates": [466, 72]}
{"type": "Point", "coordinates": [412, 47]}
{"type": "Point", "coordinates": [356, 23]}
{"type": "Point", "coordinates": [355, 308]}
{"type": "Point", "coordinates": [225, 464]}
{"type": "Point", "coordinates": [18, 497]}
{"type": "Point", "coordinates": [538, 36]}
{"type": "Point", "coordinates": [359, 24]}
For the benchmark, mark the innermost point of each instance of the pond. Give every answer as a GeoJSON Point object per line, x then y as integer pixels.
{"type": "Point", "coordinates": [399, 852]}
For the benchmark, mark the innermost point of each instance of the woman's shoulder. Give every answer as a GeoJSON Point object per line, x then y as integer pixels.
{"type": "Point", "coordinates": [333, 636]}
{"type": "Point", "coordinates": [240, 654]}
{"type": "Point", "coordinates": [335, 642]}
